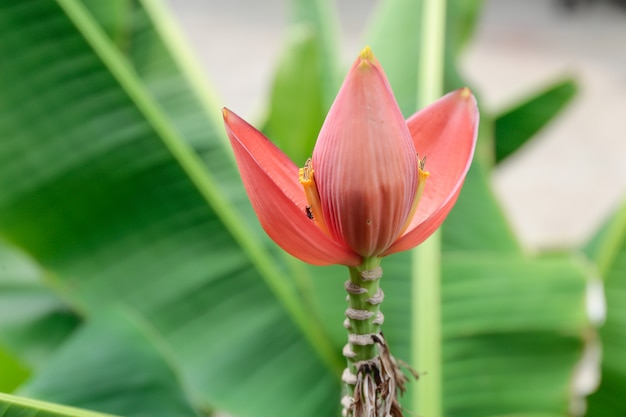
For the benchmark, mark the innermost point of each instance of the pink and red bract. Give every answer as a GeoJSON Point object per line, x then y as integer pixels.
{"type": "Point", "coordinates": [365, 179]}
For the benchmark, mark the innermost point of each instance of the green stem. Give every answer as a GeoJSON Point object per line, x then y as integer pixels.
{"type": "Point", "coordinates": [426, 397]}
{"type": "Point", "coordinates": [361, 295]}
{"type": "Point", "coordinates": [431, 62]}
{"type": "Point", "coordinates": [426, 328]}
{"type": "Point", "coordinates": [363, 317]}
{"type": "Point", "coordinates": [373, 378]}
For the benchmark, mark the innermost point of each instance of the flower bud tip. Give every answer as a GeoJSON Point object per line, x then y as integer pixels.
{"type": "Point", "coordinates": [366, 54]}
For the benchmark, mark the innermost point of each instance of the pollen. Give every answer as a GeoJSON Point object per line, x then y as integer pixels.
{"type": "Point", "coordinates": [422, 177]}
{"type": "Point", "coordinates": [305, 174]}
{"type": "Point", "coordinates": [422, 165]}
{"type": "Point", "coordinates": [314, 208]}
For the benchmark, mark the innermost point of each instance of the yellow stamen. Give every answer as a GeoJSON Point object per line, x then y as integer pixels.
{"type": "Point", "coordinates": [314, 209]}
{"type": "Point", "coordinates": [421, 183]}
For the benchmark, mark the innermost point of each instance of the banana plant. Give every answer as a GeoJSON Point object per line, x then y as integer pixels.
{"type": "Point", "coordinates": [140, 282]}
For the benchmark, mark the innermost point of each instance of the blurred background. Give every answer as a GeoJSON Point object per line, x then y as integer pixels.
{"type": "Point", "coordinates": [562, 185]}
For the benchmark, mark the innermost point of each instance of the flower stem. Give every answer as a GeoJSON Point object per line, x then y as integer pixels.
{"type": "Point", "coordinates": [372, 377]}
{"type": "Point", "coordinates": [426, 397]}
{"type": "Point", "coordinates": [363, 317]}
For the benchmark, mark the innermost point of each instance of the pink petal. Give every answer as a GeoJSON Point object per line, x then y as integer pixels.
{"type": "Point", "coordinates": [445, 133]}
{"type": "Point", "coordinates": [271, 181]}
{"type": "Point", "coordinates": [365, 163]}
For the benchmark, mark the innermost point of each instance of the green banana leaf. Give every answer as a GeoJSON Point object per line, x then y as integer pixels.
{"type": "Point", "coordinates": [294, 127]}
{"type": "Point", "coordinates": [306, 79]}
{"type": "Point", "coordinates": [477, 222]}
{"type": "Point", "coordinates": [14, 373]}
{"type": "Point", "coordinates": [12, 406]}
{"type": "Point", "coordinates": [33, 319]}
{"type": "Point", "coordinates": [608, 250]}
{"type": "Point", "coordinates": [117, 180]}
{"type": "Point", "coordinates": [394, 32]}
{"type": "Point", "coordinates": [516, 126]}
{"type": "Point", "coordinates": [321, 19]}
{"type": "Point", "coordinates": [134, 367]}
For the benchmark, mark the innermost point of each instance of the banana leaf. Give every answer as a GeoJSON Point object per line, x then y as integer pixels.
{"type": "Point", "coordinates": [608, 250]}
{"type": "Point", "coordinates": [12, 406]}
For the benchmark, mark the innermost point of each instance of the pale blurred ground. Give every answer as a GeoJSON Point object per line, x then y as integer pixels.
{"type": "Point", "coordinates": [560, 187]}
{"type": "Point", "coordinates": [574, 173]}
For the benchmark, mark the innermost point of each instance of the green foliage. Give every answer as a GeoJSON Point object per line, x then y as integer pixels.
{"type": "Point", "coordinates": [461, 19]}
{"type": "Point", "coordinates": [477, 223]}
{"type": "Point", "coordinates": [319, 19]}
{"type": "Point", "coordinates": [501, 316]}
{"type": "Point", "coordinates": [33, 319]}
{"type": "Point", "coordinates": [297, 107]}
{"type": "Point", "coordinates": [117, 206]}
{"type": "Point", "coordinates": [306, 79]}
{"type": "Point", "coordinates": [608, 249]}
{"type": "Point", "coordinates": [12, 406]}
{"type": "Point", "coordinates": [394, 33]}
{"type": "Point", "coordinates": [13, 372]}
{"type": "Point", "coordinates": [129, 365]}
{"type": "Point", "coordinates": [157, 290]}
{"type": "Point", "coordinates": [516, 126]}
